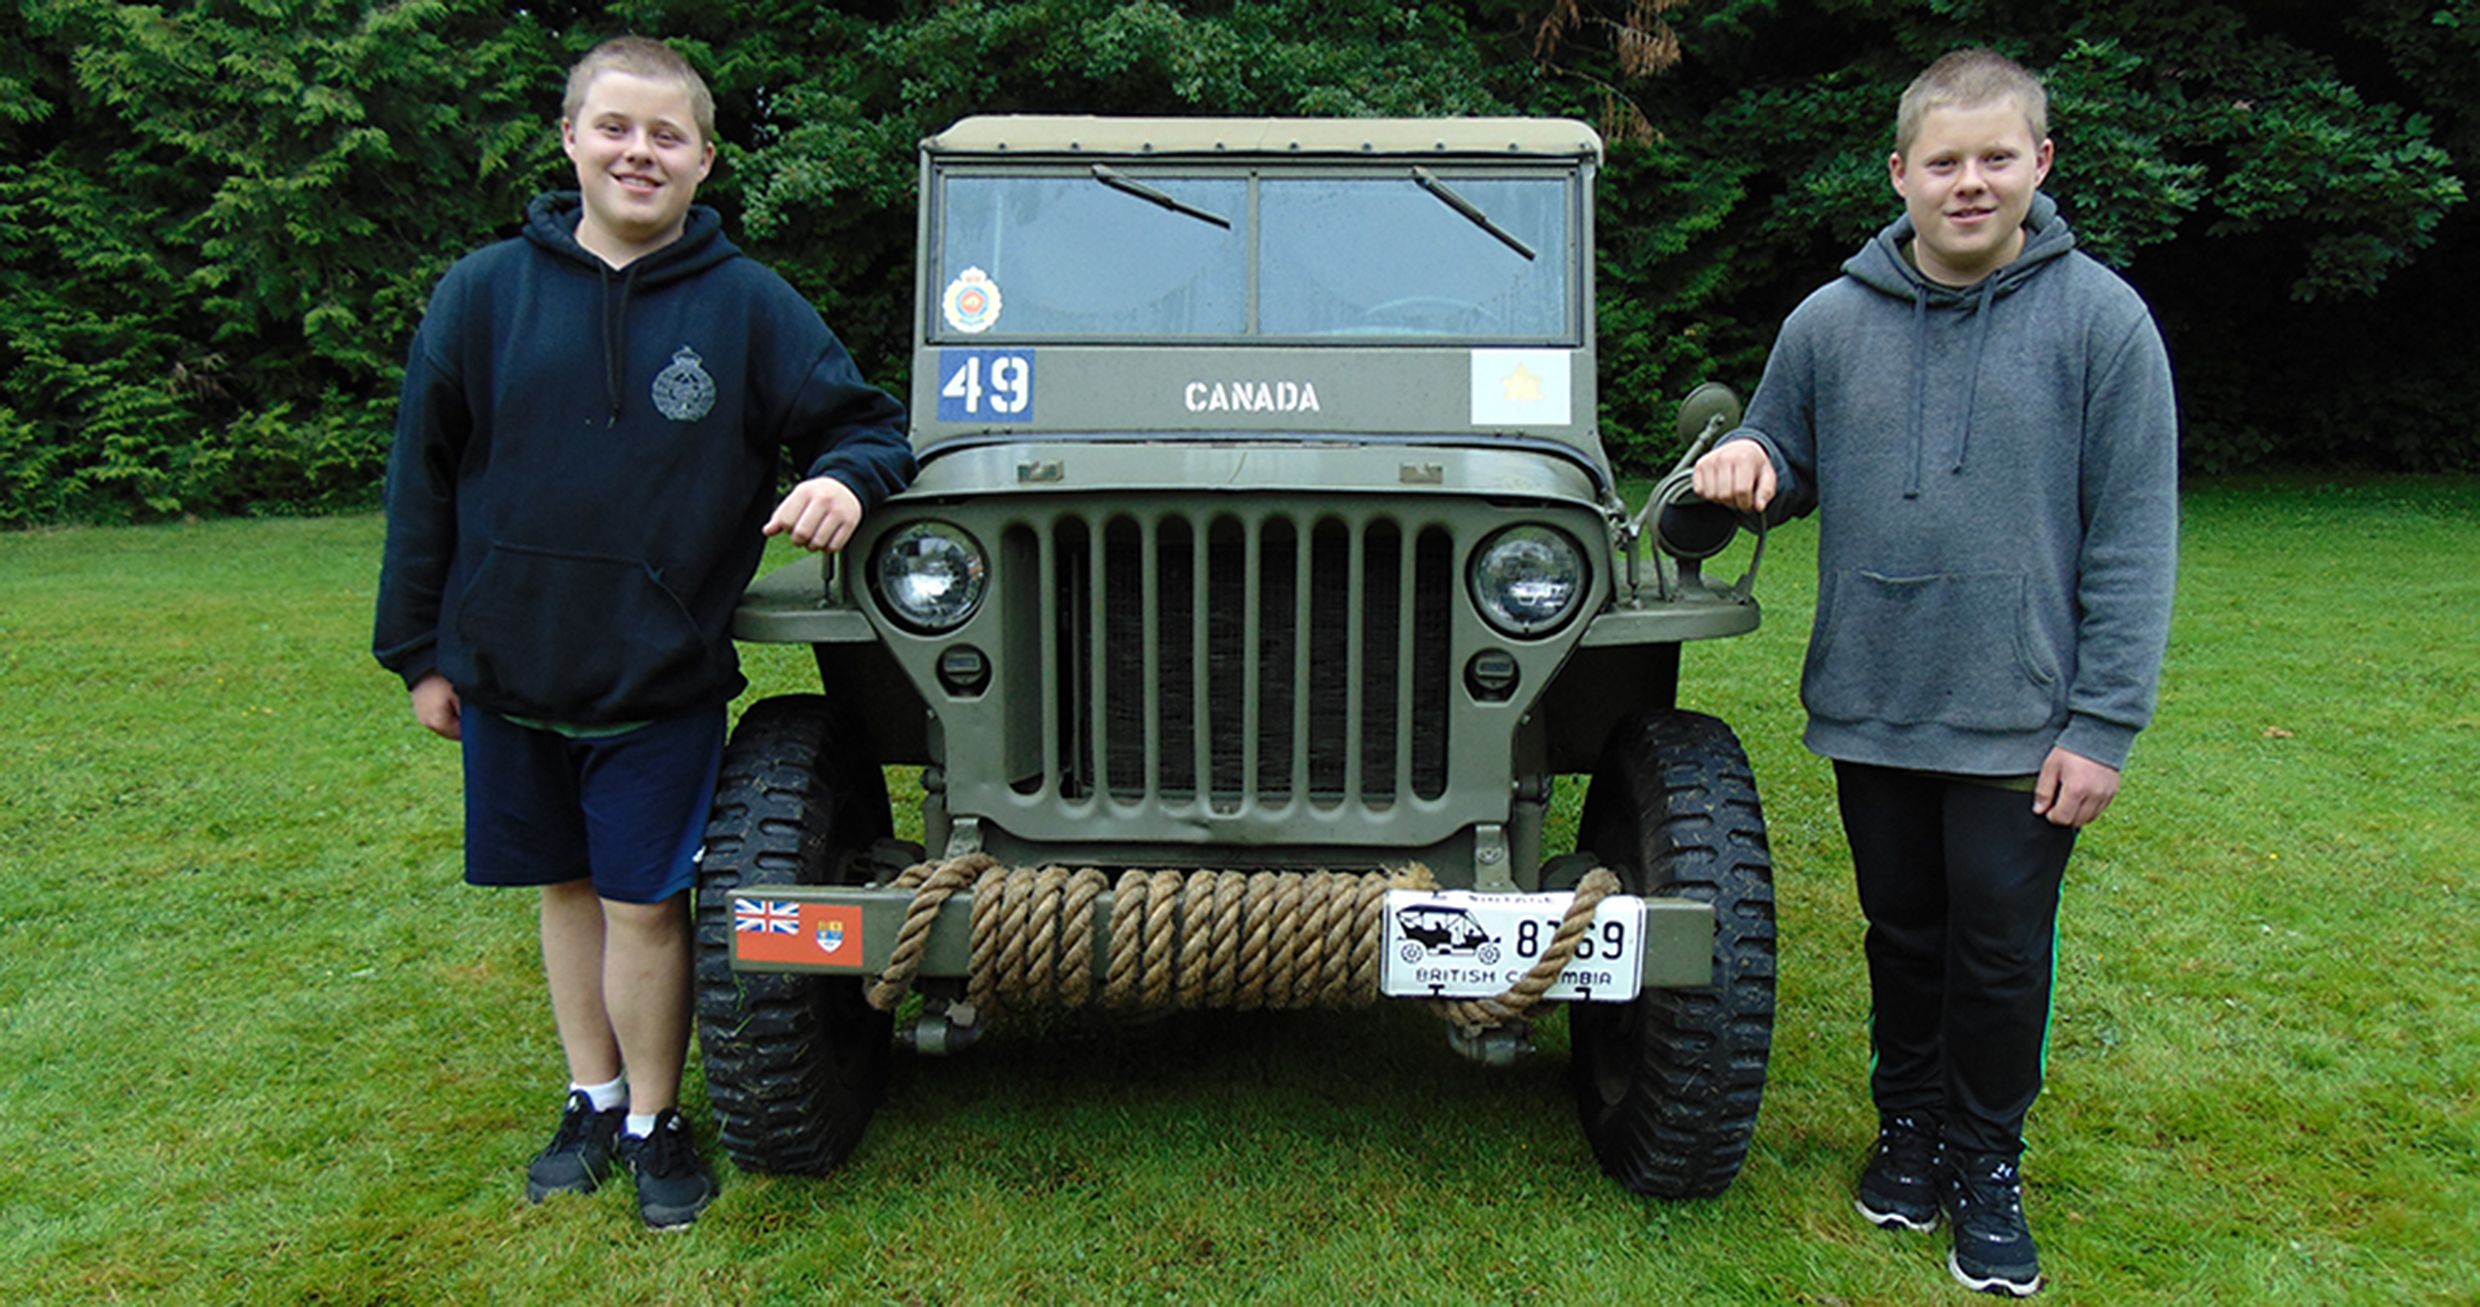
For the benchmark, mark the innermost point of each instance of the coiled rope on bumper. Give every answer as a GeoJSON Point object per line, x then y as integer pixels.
{"type": "Point", "coordinates": [1191, 940]}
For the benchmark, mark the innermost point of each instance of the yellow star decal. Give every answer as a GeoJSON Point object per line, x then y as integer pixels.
{"type": "Point", "coordinates": [1523, 386]}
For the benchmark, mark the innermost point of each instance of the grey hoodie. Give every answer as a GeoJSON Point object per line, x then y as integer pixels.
{"type": "Point", "coordinates": [1994, 470]}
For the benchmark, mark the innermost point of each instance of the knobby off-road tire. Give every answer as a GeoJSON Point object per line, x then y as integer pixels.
{"type": "Point", "coordinates": [1667, 1086]}
{"type": "Point", "coordinates": [795, 1064]}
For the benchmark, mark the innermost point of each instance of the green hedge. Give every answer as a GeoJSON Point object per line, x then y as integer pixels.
{"type": "Point", "coordinates": [220, 219]}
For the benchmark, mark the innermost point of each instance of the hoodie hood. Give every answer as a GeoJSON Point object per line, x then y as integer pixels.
{"type": "Point", "coordinates": [1883, 266]}
{"type": "Point", "coordinates": [551, 224]}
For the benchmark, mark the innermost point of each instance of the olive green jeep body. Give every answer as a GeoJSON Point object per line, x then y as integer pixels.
{"type": "Point", "coordinates": [1263, 524]}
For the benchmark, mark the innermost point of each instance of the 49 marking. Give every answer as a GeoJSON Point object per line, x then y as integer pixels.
{"type": "Point", "coordinates": [985, 385]}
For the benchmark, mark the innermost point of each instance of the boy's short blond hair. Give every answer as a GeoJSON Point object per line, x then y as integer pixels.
{"type": "Point", "coordinates": [644, 57]}
{"type": "Point", "coordinates": [1969, 79]}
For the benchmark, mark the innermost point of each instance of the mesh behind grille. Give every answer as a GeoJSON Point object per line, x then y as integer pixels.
{"type": "Point", "coordinates": [1263, 658]}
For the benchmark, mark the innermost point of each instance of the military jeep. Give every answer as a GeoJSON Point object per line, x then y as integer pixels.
{"type": "Point", "coordinates": [1264, 527]}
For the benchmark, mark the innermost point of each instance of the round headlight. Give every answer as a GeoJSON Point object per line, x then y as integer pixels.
{"type": "Point", "coordinates": [929, 575]}
{"type": "Point", "coordinates": [1528, 580]}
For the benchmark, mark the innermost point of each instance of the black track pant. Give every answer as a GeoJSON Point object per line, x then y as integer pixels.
{"type": "Point", "coordinates": [1959, 881]}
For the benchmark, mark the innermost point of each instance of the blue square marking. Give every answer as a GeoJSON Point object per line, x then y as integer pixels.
{"type": "Point", "coordinates": [985, 385]}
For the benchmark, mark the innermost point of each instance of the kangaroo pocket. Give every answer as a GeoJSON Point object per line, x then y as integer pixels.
{"type": "Point", "coordinates": [1952, 649]}
{"type": "Point", "coordinates": [575, 636]}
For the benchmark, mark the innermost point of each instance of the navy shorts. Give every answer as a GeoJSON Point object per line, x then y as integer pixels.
{"type": "Point", "coordinates": [629, 811]}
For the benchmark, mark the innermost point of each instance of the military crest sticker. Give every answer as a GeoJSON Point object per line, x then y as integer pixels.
{"type": "Point", "coordinates": [683, 392]}
{"type": "Point", "coordinates": [971, 302]}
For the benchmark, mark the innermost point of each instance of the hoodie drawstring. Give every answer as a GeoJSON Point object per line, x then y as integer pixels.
{"type": "Point", "coordinates": [611, 384]}
{"type": "Point", "coordinates": [616, 338]}
{"type": "Point", "coordinates": [1982, 311]}
{"type": "Point", "coordinates": [1920, 386]}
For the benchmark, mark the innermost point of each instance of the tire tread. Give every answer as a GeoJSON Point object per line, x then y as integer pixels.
{"type": "Point", "coordinates": [1673, 807]}
{"type": "Point", "coordinates": [795, 1064]}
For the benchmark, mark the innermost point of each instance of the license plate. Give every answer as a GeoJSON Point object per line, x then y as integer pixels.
{"type": "Point", "coordinates": [1459, 944]}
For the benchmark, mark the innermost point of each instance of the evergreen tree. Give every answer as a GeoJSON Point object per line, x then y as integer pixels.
{"type": "Point", "coordinates": [222, 217]}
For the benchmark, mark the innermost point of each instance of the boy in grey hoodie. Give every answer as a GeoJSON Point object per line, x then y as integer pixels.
{"type": "Point", "coordinates": [1982, 420]}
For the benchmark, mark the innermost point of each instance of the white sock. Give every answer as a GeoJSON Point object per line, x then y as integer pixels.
{"type": "Point", "coordinates": [607, 1095]}
{"type": "Point", "coordinates": [640, 1125]}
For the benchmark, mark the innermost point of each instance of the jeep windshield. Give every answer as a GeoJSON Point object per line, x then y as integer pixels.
{"type": "Point", "coordinates": [1127, 252]}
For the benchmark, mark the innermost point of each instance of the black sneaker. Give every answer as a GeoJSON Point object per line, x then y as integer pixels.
{"type": "Point", "coordinates": [673, 1184]}
{"type": "Point", "coordinates": [579, 1155]}
{"type": "Point", "coordinates": [1899, 1188]}
{"type": "Point", "coordinates": [1984, 1199]}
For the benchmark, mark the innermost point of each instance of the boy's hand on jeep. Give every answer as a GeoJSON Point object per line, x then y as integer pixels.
{"type": "Point", "coordinates": [819, 514]}
{"type": "Point", "coordinates": [1736, 475]}
{"type": "Point", "coordinates": [437, 706]}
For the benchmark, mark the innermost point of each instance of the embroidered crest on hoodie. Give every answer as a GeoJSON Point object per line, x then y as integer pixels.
{"type": "Point", "coordinates": [683, 392]}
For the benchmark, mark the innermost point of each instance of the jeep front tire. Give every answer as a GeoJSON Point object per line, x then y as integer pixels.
{"type": "Point", "coordinates": [1667, 1086]}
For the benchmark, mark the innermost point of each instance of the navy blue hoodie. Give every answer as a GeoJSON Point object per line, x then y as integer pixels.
{"type": "Point", "coordinates": [584, 459]}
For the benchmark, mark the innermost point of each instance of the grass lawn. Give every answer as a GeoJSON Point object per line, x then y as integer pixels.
{"type": "Point", "coordinates": [258, 1044]}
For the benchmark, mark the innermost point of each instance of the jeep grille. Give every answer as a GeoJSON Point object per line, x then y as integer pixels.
{"type": "Point", "coordinates": [1257, 658]}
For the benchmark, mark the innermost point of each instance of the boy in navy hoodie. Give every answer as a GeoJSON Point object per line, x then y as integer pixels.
{"type": "Point", "coordinates": [583, 476]}
{"type": "Point", "coordinates": [1982, 420]}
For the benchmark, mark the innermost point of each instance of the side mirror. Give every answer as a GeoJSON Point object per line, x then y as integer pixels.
{"type": "Point", "coordinates": [1700, 410]}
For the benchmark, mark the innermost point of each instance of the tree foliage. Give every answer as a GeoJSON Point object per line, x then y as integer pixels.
{"type": "Point", "coordinates": [2266, 175]}
{"type": "Point", "coordinates": [223, 216]}
{"type": "Point", "coordinates": [221, 221]}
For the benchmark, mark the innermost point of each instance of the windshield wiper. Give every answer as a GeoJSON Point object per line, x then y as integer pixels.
{"type": "Point", "coordinates": [1429, 182]}
{"type": "Point", "coordinates": [1112, 178]}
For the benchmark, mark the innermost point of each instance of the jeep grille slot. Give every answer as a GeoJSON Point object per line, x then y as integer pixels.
{"type": "Point", "coordinates": [1240, 661]}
